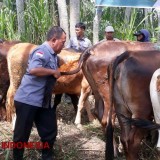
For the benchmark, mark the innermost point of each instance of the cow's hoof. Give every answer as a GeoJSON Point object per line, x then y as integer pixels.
{"type": "Point", "coordinates": [95, 122]}
{"type": "Point", "coordinates": [79, 126]}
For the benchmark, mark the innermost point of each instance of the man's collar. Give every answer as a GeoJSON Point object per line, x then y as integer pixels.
{"type": "Point", "coordinates": [82, 38]}
{"type": "Point", "coordinates": [49, 47]}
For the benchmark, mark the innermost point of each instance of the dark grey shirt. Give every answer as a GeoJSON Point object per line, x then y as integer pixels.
{"type": "Point", "coordinates": [32, 88]}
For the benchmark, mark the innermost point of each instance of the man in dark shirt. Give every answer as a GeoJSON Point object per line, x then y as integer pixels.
{"type": "Point", "coordinates": [33, 97]}
{"type": "Point", "coordinates": [143, 35]}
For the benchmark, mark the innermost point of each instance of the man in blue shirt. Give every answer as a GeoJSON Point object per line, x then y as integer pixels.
{"type": "Point", "coordinates": [80, 42]}
{"type": "Point", "coordinates": [33, 97]}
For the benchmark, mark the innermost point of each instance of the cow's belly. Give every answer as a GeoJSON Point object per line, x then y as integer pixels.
{"type": "Point", "coordinates": [67, 88]}
{"type": "Point", "coordinates": [69, 91]}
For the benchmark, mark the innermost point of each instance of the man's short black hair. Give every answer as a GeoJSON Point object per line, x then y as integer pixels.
{"type": "Point", "coordinates": [55, 31]}
{"type": "Point", "coordinates": [80, 25]}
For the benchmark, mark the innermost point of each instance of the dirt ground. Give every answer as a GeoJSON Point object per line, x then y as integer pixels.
{"type": "Point", "coordinates": [72, 143]}
{"type": "Point", "coordinates": [86, 143]}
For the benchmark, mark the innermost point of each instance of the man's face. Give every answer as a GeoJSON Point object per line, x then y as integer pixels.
{"type": "Point", "coordinates": [139, 37]}
{"type": "Point", "coordinates": [109, 35]}
{"type": "Point", "coordinates": [58, 44]}
{"type": "Point", "coordinates": [79, 32]}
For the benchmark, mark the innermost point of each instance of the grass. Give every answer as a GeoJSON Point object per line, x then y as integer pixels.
{"type": "Point", "coordinates": [40, 15]}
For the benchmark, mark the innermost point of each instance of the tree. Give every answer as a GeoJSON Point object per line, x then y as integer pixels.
{"type": "Point", "coordinates": [127, 14]}
{"type": "Point", "coordinates": [96, 22]}
{"type": "Point", "coordinates": [63, 16]}
{"type": "Point", "coordinates": [74, 15]}
{"type": "Point", "coordinates": [20, 16]}
{"type": "Point", "coordinates": [158, 15]}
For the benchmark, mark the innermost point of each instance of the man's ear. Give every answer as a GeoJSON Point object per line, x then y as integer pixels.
{"type": "Point", "coordinates": [53, 39]}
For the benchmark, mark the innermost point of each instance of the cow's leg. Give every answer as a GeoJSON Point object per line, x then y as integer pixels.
{"type": "Point", "coordinates": [82, 99]}
{"type": "Point", "coordinates": [80, 107]}
{"type": "Point", "coordinates": [88, 109]}
{"type": "Point", "coordinates": [13, 121]}
{"type": "Point", "coordinates": [74, 99]}
{"type": "Point", "coordinates": [1, 98]}
{"type": "Point", "coordinates": [2, 111]}
{"type": "Point", "coordinates": [125, 130]}
{"type": "Point", "coordinates": [121, 109]}
{"type": "Point", "coordinates": [115, 145]}
{"type": "Point", "coordinates": [16, 69]}
{"type": "Point", "coordinates": [3, 105]}
{"type": "Point", "coordinates": [85, 91]}
{"type": "Point", "coordinates": [57, 100]}
{"type": "Point", "coordinates": [10, 109]}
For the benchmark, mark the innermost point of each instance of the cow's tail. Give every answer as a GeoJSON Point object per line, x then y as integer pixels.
{"type": "Point", "coordinates": [140, 123]}
{"type": "Point", "coordinates": [109, 154]}
{"type": "Point", "coordinates": [84, 56]}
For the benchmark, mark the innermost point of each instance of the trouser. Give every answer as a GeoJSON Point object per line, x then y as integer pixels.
{"type": "Point", "coordinates": [45, 121]}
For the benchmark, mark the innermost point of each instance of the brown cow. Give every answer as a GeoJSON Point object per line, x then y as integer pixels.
{"type": "Point", "coordinates": [17, 62]}
{"type": "Point", "coordinates": [94, 63]}
{"type": "Point", "coordinates": [130, 79]}
{"type": "Point", "coordinates": [4, 84]}
{"type": "Point", "coordinates": [4, 76]}
{"type": "Point", "coordinates": [75, 84]}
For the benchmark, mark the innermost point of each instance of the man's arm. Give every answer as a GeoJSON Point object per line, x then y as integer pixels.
{"type": "Point", "coordinates": [44, 72]}
{"type": "Point", "coordinates": [36, 65]}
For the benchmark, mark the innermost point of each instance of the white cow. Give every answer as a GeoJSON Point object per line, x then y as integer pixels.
{"type": "Point", "coordinates": [155, 98]}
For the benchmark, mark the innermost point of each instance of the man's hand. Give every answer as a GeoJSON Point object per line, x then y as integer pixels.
{"type": "Point", "coordinates": [56, 74]}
